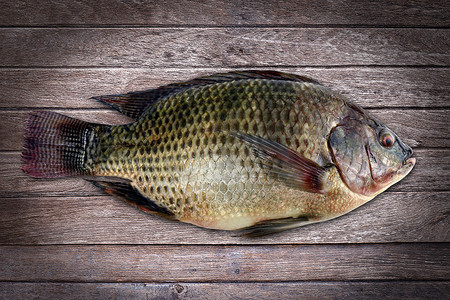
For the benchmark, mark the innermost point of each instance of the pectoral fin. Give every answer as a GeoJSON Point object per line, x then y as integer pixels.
{"type": "Point", "coordinates": [285, 164]}
{"type": "Point", "coordinates": [126, 192]}
{"type": "Point", "coordinates": [273, 226]}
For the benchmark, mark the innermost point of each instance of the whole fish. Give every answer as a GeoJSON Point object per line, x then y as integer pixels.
{"type": "Point", "coordinates": [259, 151]}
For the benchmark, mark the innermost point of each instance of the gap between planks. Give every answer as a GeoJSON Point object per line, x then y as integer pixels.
{"type": "Point", "coordinates": [234, 26]}
{"type": "Point", "coordinates": [232, 68]}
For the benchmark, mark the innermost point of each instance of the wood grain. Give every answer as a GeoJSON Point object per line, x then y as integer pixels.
{"type": "Point", "coordinates": [223, 47]}
{"type": "Point", "coordinates": [108, 263]}
{"type": "Point", "coordinates": [219, 13]}
{"type": "Point", "coordinates": [417, 128]}
{"type": "Point", "coordinates": [391, 217]}
{"type": "Point", "coordinates": [266, 290]}
{"type": "Point", "coordinates": [431, 173]}
{"type": "Point", "coordinates": [63, 239]}
{"type": "Point", "coordinates": [72, 88]}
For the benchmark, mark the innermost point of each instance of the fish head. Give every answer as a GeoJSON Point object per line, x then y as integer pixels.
{"type": "Point", "coordinates": [389, 157]}
{"type": "Point", "coordinates": [369, 156]}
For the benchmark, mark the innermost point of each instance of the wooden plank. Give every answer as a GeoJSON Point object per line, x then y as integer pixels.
{"type": "Point", "coordinates": [431, 173]}
{"type": "Point", "coordinates": [223, 47]}
{"type": "Point", "coordinates": [219, 13]}
{"type": "Point", "coordinates": [267, 290]}
{"type": "Point", "coordinates": [72, 88]}
{"type": "Point", "coordinates": [226, 263]}
{"type": "Point", "coordinates": [391, 217]}
{"type": "Point", "coordinates": [417, 128]}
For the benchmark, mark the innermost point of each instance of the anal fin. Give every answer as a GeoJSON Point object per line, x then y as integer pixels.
{"type": "Point", "coordinates": [127, 193]}
{"type": "Point", "coordinates": [273, 226]}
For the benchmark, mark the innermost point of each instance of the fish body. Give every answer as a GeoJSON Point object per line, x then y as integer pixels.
{"type": "Point", "coordinates": [261, 151]}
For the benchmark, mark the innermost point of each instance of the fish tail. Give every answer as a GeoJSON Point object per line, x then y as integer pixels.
{"type": "Point", "coordinates": [58, 146]}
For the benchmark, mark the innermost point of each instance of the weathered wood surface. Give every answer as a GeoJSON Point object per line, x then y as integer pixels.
{"type": "Point", "coordinates": [223, 47]}
{"type": "Point", "coordinates": [390, 57]}
{"type": "Point", "coordinates": [433, 130]}
{"type": "Point", "coordinates": [431, 173]}
{"type": "Point", "coordinates": [72, 88]}
{"type": "Point", "coordinates": [130, 263]}
{"type": "Point", "coordinates": [220, 13]}
{"type": "Point", "coordinates": [251, 291]}
{"type": "Point", "coordinates": [391, 217]}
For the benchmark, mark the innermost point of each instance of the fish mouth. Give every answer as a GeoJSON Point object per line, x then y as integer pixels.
{"type": "Point", "coordinates": [408, 165]}
{"type": "Point", "coordinates": [409, 161]}
{"type": "Point", "coordinates": [403, 169]}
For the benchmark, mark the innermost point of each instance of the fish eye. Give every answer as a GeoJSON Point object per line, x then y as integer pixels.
{"type": "Point", "coordinates": [387, 139]}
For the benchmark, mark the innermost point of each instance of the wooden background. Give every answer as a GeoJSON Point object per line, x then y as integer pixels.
{"type": "Point", "coordinates": [64, 239]}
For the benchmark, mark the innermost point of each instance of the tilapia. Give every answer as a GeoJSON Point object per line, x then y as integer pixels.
{"type": "Point", "coordinates": [256, 151]}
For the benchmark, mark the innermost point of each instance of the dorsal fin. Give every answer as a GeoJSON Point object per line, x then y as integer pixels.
{"type": "Point", "coordinates": [131, 104]}
{"type": "Point", "coordinates": [135, 103]}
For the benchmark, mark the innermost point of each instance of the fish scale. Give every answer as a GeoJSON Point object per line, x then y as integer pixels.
{"type": "Point", "coordinates": [200, 156]}
{"type": "Point", "coordinates": [261, 150]}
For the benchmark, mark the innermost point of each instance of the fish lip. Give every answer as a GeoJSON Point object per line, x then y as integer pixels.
{"type": "Point", "coordinates": [409, 162]}
{"type": "Point", "coordinates": [407, 166]}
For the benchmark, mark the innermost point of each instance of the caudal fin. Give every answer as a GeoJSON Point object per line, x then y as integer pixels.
{"type": "Point", "coordinates": [56, 145]}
